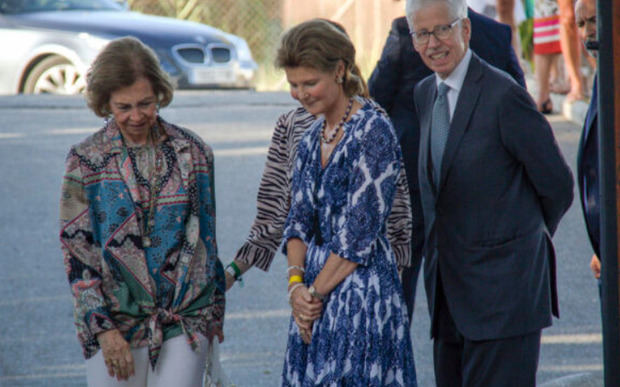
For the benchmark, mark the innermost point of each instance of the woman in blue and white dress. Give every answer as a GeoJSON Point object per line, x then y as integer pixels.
{"type": "Point", "coordinates": [349, 325]}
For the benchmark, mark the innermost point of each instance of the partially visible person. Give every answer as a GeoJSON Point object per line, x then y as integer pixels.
{"type": "Point", "coordinates": [137, 217]}
{"type": "Point", "coordinates": [588, 170]}
{"type": "Point", "coordinates": [494, 186]}
{"type": "Point", "coordinates": [506, 14]}
{"type": "Point", "coordinates": [570, 49]}
{"type": "Point", "coordinates": [547, 50]}
{"type": "Point", "coordinates": [349, 322]}
{"type": "Point", "coordinates": [274, 198]}
{"type": "Point", "coordinates": [391, 84]}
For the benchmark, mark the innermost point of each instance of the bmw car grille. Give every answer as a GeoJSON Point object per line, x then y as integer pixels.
{"type": "Point", "coordinates": [197, 55]}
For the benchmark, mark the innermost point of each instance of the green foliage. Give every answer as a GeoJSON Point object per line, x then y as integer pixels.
{"type": "Point", "coordinates": [526, 34]}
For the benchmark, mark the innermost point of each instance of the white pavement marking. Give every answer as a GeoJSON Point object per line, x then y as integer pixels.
{"type": "Point", "coordinates": [66, 367]}
{"type": "Point", "coordinates": [45, 376]}
{"type": "Point", "coordinates": [10, 135]}
{"type": "Point", "coordinates": [259, 150]}
{"type": "Point", "coordinates": [69, 131]}
{"type": "Point", "coordinates": [583, 338]}
{"type": "Point", "coordinates": [21, 301]}
{"type": "Point", "coordinates": [277, 313]}
{"type": "Point", "coordinates": [572, 368]}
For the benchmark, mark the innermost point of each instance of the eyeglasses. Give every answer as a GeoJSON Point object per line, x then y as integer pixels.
{"type": "Point", "coordinates": [441, 32]}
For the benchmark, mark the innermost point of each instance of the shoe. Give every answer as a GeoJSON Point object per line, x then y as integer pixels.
{"type": "Point", "coordinates": [546, 107]}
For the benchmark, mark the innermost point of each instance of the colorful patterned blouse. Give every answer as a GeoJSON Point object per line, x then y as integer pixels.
{"type": "Point", "coordinates": [107, 265]}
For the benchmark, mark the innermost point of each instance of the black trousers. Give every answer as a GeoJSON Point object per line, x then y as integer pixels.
{"type": "Point", "coordinates": [487, 363]}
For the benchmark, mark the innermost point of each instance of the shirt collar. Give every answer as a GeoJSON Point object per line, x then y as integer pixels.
{"type": "Point", "coordinates": [457, 77]}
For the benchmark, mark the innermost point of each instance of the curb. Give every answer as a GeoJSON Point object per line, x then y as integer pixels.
{"type": "Point", "coordinates": [587, 379]}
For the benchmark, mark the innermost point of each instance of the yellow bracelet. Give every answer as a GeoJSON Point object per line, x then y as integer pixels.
{"type": "Point", "coordinates": [295, 278]}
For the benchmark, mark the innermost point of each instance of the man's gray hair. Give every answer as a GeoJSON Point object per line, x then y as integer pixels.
{"type": "Point", "coordinates": [457, 8]}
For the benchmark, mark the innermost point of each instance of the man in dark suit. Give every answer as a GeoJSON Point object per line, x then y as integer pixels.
{"type": "Point", "coordinates": [587, 156]}
{"type": "Point", "coordinates": [391, 85]}
{"type": "Point", "coordinates": [493, 186]}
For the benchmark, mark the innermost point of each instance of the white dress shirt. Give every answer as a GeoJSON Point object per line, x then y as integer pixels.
{"type": "Point", "coordinates": [455, 81]}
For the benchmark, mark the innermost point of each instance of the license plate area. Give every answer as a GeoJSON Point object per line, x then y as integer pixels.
{"type": "Point", "coordinates": [211, 75]}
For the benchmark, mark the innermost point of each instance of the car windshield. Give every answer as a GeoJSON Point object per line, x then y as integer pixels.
{"type": "Point", "coordinates": [24, 6]}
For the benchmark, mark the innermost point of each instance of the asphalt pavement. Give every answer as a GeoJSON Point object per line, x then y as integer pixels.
{"type": "Point", "coordinates": [38, 346]}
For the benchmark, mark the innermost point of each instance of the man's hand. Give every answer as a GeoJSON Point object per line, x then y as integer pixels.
{"type": "Point", "coordinates": [595, 266]}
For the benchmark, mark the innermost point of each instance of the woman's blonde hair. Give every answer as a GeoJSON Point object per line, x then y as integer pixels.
{"type": "Point", "coordinates": [120, 64]}
{"type": "Point", "coordinates": [321, 44]}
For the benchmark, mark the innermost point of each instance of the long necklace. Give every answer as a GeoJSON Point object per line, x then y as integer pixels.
{"type": "Point", "coordinates": [155, 185]}
{"type": "Point", "coordinates": [154, 179]}
{"type": "Point", "coordinates": [327, 138]}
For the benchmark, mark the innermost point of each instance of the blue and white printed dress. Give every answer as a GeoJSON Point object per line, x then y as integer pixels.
{"type": "Point", "coordinates": [362, 337]}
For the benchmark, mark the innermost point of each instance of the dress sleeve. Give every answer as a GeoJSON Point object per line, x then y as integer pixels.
{"type": "Point", "coordinates": [299, 223]}
{"type": "Point", "coordinates": [400, 223]}
{"type": "Point", "coordinates": [372, 184]}
{"type": "Point", "coordinates": [82, 255]}
{"type": "Point", "coordinates": [273, 199]}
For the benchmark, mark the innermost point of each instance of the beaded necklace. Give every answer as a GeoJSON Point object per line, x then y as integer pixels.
{"type": "Point", "coordinates": [329, 138]}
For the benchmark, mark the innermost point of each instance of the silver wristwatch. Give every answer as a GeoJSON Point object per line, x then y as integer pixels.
{"type": "Point", "coordinates": [315, 294]}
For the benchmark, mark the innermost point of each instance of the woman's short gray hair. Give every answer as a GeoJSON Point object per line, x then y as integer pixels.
{"type": "Point", "coordinates": [457, 8]}
{"type": "Point", "coordinates": [121, 63]}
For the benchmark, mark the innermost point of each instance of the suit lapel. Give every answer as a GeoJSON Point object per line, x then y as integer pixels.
{"type": "Point", "coordinates": [465, 104]}
{"type": "Point", "coordinates": [426, 189]}
{"type": "Point", "coordinates": [425, 130]}
{"type": "Point", "coordinates": [592, 111]}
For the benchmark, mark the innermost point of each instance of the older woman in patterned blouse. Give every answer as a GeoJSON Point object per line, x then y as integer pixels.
{"type": "Point", "coordinates": [138, 231]}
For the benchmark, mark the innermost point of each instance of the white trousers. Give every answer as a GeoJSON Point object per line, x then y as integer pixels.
{"type": "Point", "coordinates": [178, 365]}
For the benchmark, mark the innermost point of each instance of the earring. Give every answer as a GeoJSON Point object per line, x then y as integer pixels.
{"type": "Point", "coordinates": [339, 80]}
{"type": "Point", "coordinates": [107, 119]}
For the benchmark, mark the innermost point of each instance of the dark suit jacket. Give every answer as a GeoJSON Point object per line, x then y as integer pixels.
{"type": "Point", "coordinates": [588, 173]}
{"type": "Point", "coordinates": [401, 68]}
{"type": "Point", "coordinates": [504, 187]}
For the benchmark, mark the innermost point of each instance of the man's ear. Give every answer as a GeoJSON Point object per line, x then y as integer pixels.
{"type": "Point", "coordinates": [466, 29]}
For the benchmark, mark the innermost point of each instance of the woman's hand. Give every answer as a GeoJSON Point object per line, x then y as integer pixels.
{"type": "Point", "coordinates": [116, 354]}
{"type": "Point", "coordinates": [230, 280]}
{"type": "Point", "coordinates": [305, 333]}
{"type": "Point", "coordinates": [306, 308]}
{"type": "Point", "coordinates": [216, 332]}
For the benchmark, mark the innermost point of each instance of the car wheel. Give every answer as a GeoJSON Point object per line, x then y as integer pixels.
{"type": "Point", "coordinates": [54, 75]}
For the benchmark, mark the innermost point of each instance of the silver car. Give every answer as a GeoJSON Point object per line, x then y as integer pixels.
{"type": "Point", "coordinates": [46, 46]}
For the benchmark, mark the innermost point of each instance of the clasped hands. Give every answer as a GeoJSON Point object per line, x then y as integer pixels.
{"type": "Point", "coordinates": [306, 309]}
